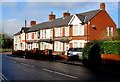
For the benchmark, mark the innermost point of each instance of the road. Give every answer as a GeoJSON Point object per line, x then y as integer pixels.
{"type": "Point", "coordinates": [14, 68]}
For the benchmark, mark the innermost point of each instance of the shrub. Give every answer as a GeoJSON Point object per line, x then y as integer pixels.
{"type": "Point", "coordinates": [111, 47]}
{"type": "Point", "coordinates": [92, 52]}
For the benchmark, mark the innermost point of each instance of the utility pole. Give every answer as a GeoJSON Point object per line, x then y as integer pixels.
{"type": "Point", "coordinates": [25, 40]}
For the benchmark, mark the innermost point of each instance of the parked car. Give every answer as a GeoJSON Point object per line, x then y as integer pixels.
{"type": "Point", "coordinates": [74, 53]}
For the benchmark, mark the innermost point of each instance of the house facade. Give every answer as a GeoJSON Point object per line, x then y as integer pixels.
{"type": "Point", "coordinates": [69, 31]}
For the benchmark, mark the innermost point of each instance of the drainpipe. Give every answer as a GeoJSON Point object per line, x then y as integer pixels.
{"type": "Point", "coordinates": [87, 29]}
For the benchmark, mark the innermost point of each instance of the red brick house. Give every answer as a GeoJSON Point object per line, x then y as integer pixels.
{"type": "Point", "coordinates": [60, 34]}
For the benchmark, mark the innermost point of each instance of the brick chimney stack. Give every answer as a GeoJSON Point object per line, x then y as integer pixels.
{"type": "Point", "coordinates": [102, 6]}
{"type": "Point", "coordinates": [32, 23]}
{"type": "Point", "coordinates": [51, 16]}
{"type": "Point", "coordinates": [65, 14]}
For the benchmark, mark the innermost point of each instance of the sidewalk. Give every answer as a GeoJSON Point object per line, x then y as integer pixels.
{"type": "Point", "coordinates": [78, 63]}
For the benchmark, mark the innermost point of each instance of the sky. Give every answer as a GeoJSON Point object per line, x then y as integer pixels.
{"type": "Point", "coordinates": [15, 13]}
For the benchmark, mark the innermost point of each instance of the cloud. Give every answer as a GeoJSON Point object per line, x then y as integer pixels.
{"type": "Point", "coordinates": [14, 13]}
{"type": "Point", "coordinates": [11, 26]}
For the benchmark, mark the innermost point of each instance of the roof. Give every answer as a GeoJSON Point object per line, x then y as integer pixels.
{"type": "Point", "coordinates": [84, 17]}
{"type": "Point", "coordinates": [23, 28]}
{"type": "Point", "coordinates": [53, 23]}
{"type": "Point", "coordinates": [17, 33]}
{"type": "Point", "coordinates": [89, 15]}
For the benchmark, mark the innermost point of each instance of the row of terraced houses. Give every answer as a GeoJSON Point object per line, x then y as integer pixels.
{"type": "Point", "coordinates": [69, 31]}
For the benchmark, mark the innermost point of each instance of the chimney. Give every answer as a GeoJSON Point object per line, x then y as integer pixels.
{"type": "Point", "coordinates": [32, 23]}
{"type": "Point", "coordinates": [65, 14]}
{"type": "Point", "coordinates": [51, 16]}
{"type": "Point", "coordinates": [102, 6]}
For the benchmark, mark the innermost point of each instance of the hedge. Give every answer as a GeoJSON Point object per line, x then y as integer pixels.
{"type": "Point", "coordinates": [94, 49]}
{"type": "Point", "coordinates": [111, 47]}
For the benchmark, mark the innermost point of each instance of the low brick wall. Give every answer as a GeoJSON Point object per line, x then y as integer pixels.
{"type": "Point", "coordinates": [110, 57]}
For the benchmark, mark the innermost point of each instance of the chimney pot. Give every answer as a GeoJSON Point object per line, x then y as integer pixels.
{"type": "Point", "coordinates": [65, 14]}
{"type": "Point", "coordinates": [51, 16]}
{"type": "Point", "coordinates": [102, 6]}
{"type": "Point", "coordinates": [32, 23]}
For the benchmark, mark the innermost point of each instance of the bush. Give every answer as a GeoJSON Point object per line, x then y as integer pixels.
{"type": "Point", "coordinates": [92, 52]}
{"type": "Point", "coordinates": [111, 47]}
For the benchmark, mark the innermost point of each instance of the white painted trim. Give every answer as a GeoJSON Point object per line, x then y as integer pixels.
{"type": "Point", "coordinates": [81, 41]}
{"type": "Point", "coordinates": [73, 19]}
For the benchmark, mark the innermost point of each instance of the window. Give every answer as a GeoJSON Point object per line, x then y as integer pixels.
{"type": "Point", "coordinates": [23, 36]}
{"type": "Point", "coordinates": [66, 31]}
{"type": "Point", "coordinates": [75, 30]}
{"type": "Point", "coordinates": [58, 46]}
{"type": "Point", "coordinates": [78, 44]}
{"type": "Point", "coordinates": [75, 44]}
{"type": "Point", "coordinates": [107, 31]}
{"type": "Point", "coordinates": [41, 34]}
{"type": "Point", "coordinates": [51, 33]}
{"type": "Point", "coordinates": [78, 30]}
{"type": "Point", "coordinates": [111, 31]}
{"type": "Point", "coordinates": [44, 33]}
{"type": "Point", "coordinates": [48, 33]}
{"type": "Point", "coordinates": [58, 32]}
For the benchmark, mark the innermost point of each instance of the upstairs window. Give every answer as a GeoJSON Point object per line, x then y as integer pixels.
{"type": "Point", "coordinates": [109, 31]}
{"type": "Point", "coordinates": [78, 30]}
{"type": "Point", "coordinates": [58, 32]}
{"type": "Point", "coordinates": [66, 31]}
{"type": "Point", "coordinates": [51, 33]}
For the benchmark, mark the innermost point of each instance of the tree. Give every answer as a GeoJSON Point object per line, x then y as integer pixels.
{"type": "Point", "coordinates": [118, 33]}
{"type": "Point", "coordinates": [5, 41]}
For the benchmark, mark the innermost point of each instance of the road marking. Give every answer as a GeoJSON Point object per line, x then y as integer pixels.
{"type": "Point", "coordinates": [13, 61]}
{"type": "Point", "coordinates": [60, 73]}
{"type": "Point", "coordinates": [27, 65]}
{"type": "Point", "coordinates": [3, 78]}
{"type": "Point", "coordinates": [32, 66]}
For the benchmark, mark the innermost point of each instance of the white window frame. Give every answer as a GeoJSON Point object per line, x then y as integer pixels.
{"type": "Point", "coordinates": [79, 30]}
{"type": "Point", "coordinates": [58, 32]}
{"type": "Point", "coordinates": [51, 33]}
{"type": "Point", "coordinates": [67, 31]}
{"type": "Point", "coordinates": [58, 46]}
{"type": "Point", "coordinates": [78, 42]}
{"type": "Point", "coordinates": [107, 31]}
{"type": "Point", "coordinates": [111, 31]}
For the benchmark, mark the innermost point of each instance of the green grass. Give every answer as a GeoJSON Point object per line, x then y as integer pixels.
{"type": "Point", "coordinates": [5, 50]}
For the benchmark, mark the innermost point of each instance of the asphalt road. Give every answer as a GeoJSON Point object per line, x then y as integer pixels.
{"type": "Point", "coordinates": [14, 68]}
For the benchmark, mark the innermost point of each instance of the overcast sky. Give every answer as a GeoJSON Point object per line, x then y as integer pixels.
{"type": "Point", "coordinates": [14, 13]}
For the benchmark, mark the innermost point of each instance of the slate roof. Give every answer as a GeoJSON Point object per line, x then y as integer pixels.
{"type": "Point", "coordinates": [53, 23]}
{"type": "Point", "coordinates": [23, 28]}
{"type": "Point", "coordinates": [17, 33]}
{"type": "Point", "coordinates": [84, 17]}
{"type": "Point", "coordinates": [89, 15]}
